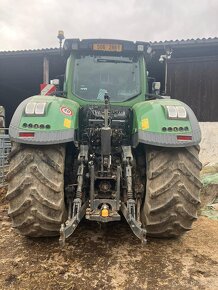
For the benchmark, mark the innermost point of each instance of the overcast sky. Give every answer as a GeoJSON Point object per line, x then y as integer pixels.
{"type": "Point", "coordinates": [31, 24]}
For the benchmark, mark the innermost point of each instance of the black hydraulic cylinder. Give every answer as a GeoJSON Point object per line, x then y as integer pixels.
{"type": "Point", "coordinates": [106, 141]}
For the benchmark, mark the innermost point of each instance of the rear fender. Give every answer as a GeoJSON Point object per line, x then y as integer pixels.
{"type": "Point", "coordinates": [152, 126]}
{"type": "Point", "coordinates": [58, 123]}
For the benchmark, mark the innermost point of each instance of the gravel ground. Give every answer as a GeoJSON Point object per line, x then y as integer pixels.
{"type": "Point", "coordinates": [109, 258]}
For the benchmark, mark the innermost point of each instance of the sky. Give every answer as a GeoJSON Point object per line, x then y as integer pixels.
{"type": "Point", "coordinates": [33, 24]}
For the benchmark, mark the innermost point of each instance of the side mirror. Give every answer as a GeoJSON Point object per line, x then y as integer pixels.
{"type": "Point", "coordinates": [156, 88]}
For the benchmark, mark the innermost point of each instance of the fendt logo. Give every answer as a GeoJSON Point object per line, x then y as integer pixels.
{"type": "Point", "coordinates": [66, 111]}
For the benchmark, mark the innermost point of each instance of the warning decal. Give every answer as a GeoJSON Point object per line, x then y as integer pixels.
{"type": "Point", "coordinates": [66, 111]}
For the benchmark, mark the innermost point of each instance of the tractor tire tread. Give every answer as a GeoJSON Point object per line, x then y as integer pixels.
{"type": "Point", "coordinates": [36, 189]}
{"type": "Point", "coordinates": [172, 195]}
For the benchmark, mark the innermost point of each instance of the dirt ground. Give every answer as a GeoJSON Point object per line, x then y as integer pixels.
{"type": "Point", "coordinates": [109, 258]}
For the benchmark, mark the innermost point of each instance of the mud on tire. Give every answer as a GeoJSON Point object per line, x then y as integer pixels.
{"type": "Point", "coordinates": [36, 189]}
{"type": "Point", "coordinates": [172, 191]}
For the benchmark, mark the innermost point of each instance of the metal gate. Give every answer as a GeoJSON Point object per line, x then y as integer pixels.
{"type": "Point", "coordinates": [5, 148]}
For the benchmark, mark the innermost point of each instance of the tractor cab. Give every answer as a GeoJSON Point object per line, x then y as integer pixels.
{"type": "Point", "coordinates": [101, 66]}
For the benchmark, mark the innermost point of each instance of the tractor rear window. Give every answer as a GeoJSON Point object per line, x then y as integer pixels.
{"type": "Point", "coordinates": [96, 75]}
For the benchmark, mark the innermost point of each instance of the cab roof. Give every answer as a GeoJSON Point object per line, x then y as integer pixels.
{"type": "Point", "coordinates": [105, 45]}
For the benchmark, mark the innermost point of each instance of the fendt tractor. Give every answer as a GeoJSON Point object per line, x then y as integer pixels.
{"type": "Point", "coordinates": [104, 146]}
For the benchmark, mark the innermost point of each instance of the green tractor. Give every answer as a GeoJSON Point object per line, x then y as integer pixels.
{"type": "Point", "coordinates": [104, 146]}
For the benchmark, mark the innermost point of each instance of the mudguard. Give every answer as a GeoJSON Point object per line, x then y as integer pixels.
{"type": "Point", "coordinates": [152, 125]}
{"type": "Point", "coordinates": [57, 124]}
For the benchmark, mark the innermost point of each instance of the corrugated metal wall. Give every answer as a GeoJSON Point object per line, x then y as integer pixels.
{"type": "Point", "coordinates": [194, 80]}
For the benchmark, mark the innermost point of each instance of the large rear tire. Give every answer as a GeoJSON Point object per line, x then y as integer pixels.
{"type": "Point", "coordinates": [36, 189]}
{"type": "Point", "coordinates": [172, 191]}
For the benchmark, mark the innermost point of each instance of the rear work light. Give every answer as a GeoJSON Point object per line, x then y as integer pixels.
{"type": "Point", "coordinates": [176, 112]}
{"type": "Point", "coordinates": [26, 134]}
{"type": "Point", "coordinates": [35, 109]}
{"type": "Point", "coordinates": [40, 108]}
{"type": "Point", "coordinates": [182, 114]}
{"type": "Point", "coordinates": [172, 112]}
{"type": "Point", "coordinates": [30, 109]}
{"type": "Point", "coordinates": [184, 138]}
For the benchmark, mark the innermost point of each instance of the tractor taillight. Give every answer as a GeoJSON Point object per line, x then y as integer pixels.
{"type": "Point", "coordinates": [26, 134]}
{"type": "Point", "coordinates": [184, 138]}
